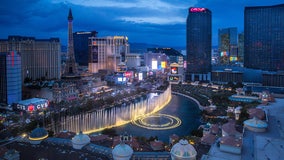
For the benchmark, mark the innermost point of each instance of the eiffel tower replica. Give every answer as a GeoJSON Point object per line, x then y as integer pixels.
{"type": "Point", "coordinates": [70, 70]}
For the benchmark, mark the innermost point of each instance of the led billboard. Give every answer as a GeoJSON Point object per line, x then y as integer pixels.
{"type": "Point", "coordinates": [174, 78]}
{"type": "Point", "coordinates": [174, 70]}
{"type": "Point", "coordinates": [163, 64]}
{"type": "Point", "coordinates": [154, 64]}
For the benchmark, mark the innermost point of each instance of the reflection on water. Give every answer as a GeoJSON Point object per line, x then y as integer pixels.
{"type": "Point", "coordinates": [158, 121]}
{"type": "Point", "coordinates": [119, 114]}
{"type": "Point", "coordinates": [183, 108]}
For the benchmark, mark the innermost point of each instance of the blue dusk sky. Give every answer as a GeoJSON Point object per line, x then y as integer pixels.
{"type": "Point", "coordinates": [161, 22]}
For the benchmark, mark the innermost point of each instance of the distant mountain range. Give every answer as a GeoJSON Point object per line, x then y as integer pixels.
{"type": "Point", "coordinates": [142, 47]}
{"type": "Point", "coordinates": [138, 47]}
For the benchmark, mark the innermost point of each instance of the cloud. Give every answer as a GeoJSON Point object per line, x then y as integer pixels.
{"type": "Point", "coordinates": [154, 20]}
{"type": "Point", "coordinates": [126, 4]}
{"type": "Point", "coordinates": [139, 11]}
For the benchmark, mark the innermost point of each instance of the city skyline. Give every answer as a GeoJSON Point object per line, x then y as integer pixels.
{"type": "Point", "coordinates": [160, 22]}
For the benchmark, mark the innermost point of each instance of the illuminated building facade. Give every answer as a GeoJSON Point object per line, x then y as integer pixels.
{"type": "Point", "coordinates": [107, 53]}
{"type": "Point", "coordinates": [173, 55]}
{"type": "Point", "coordinates": [228, 44]}
{"type": "Point", "coordinates": [32, 105]}
{"type": "Point", "coordinates": [81, 46]}
{"type": "Point", "coordinates": [133, 60]}
{"type": "Point", "coordinates": [264, 37]}
{"type": "Point", "coordinates": [198, 44]}
{"type": "Point", "coordinates": [10, 78]}
{"type": "Point", "coordinates": [176, 73]}
{"type": "Point", "coordinates": [39, 57]}
{"type": "Point", "coordinates": [155, 61]}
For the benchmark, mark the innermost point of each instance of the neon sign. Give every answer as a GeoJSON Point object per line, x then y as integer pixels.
{"type": "Point", "coordinates": [163, 64]}
{"type": "Point", "coordinates": [197, 9]}
{"type": "Point", "coordinates": [127, 74]}
{"type": "Point", "coordinates": [174, 70]}
{"type": "Point", "coordinates": [33, 107]}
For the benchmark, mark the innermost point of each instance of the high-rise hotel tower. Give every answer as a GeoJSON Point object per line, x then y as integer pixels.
{"type": "Point", "coordinates": [228, 45]}
{"type": "Point", "coordinates": [81, 47]}
{"type": "Point", "coordinates": [107, 53]}
{"type": "Point", "coordinates": [198, 44]}
{"type": "Point", "coordinates": [39, 57]}
{"type": "Point", "coordinates": [10, 77]}
{"type": "Point", "coordinates": [264, 37]}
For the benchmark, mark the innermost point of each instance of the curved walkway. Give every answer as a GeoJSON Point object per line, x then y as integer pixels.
{"type": "Point", "coordinates": [187, 96]}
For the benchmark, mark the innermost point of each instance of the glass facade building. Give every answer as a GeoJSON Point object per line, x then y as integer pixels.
{"type": "Point", "coordinates": [228, 45]}
{"type": "Point", "coordinates": [198, 44]}
{"type": "Point", "coordinates": [81, 46]}
{"type": "Point", "coordinates": [264, 37]}
{"type": "Point", "coordinates": [241, 47]}
{"type": "Point", "coordinates": [10, 78]}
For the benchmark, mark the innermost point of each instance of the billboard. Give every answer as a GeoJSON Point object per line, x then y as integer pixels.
{"type": "Point", "coordinates": [174, 70]}
{"type": "Point", "coordinates": [32, 104]}
{"type": "Point", "coordinates": [174, 78]}
{"type": "Point", "coordinates": [224, 53]}
{"type": "Point", "coordinates": [140, 76]}
{"type": "Point", "coordinates": [233, 59]}
{"type": "Point", "coordinates": [128, 74]}
{"type": "Point", "coordinates": [163, 64]}
{"type": "Point", "coordinates": [121, 79]}
{"type": "Point", "coordinates": [154, 64]}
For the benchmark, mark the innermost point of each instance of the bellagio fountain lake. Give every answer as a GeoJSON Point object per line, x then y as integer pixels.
{"type": "Point", "coordinates": [180, 117]}
{"type": "Point", "coordinates": [156, 114]}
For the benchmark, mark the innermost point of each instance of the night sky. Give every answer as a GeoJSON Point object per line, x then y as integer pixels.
{"type": "Point", "coordinates": [161, 22]}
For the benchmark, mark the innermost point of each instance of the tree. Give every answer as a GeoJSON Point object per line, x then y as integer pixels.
{"type": "Point", "coordinates": [239, 85]}
{"type": "Point", "coordinates": [243, 116]}
{"type": "Point", "coordinates": [109, 131]}
{"type": "Point", "coordinates": [197, 132]}
{"type": "Point", "coordinates": [230, 84]}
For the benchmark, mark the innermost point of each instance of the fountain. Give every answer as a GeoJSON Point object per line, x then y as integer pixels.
{"type": "Point", "coordinates": [158, 122]}
{"type": "Point", "coordinates": [116, 115]}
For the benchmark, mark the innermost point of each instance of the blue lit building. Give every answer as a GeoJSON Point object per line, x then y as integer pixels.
{"type": "Point", "coordinates": [10, 78]}
{"type": "Point", "coordinates": [198, 44]}
{"type": "Point", "coordinates": [81, 46]}
{"type": "Point", "coordinates": [264, 37]}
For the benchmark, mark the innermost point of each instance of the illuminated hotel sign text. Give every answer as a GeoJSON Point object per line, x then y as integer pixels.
{"type": "Point", "coordinates": [197, 9]}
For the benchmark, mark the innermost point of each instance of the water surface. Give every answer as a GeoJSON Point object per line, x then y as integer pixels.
{"type": "Point", "coordinates": [182, 107]}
